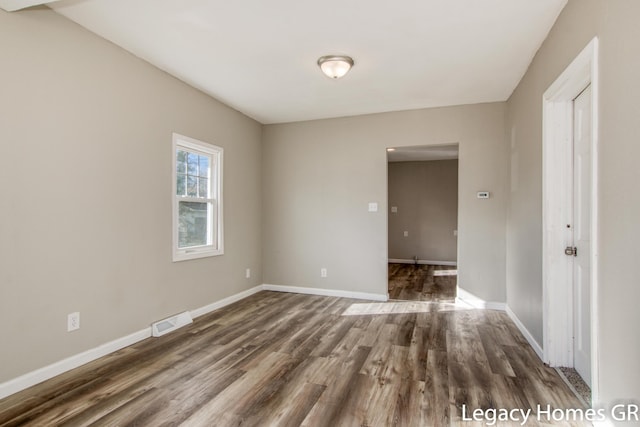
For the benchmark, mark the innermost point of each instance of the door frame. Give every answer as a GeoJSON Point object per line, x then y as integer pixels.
{"type": "Point", "coordinates": [557, 289]}
{"type": "Point", "coordinates": [426, 147]}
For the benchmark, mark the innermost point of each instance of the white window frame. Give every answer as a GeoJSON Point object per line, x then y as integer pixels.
{"type": "Point", "coordinates": [215, 246]}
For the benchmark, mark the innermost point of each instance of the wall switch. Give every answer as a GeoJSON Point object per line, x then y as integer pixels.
{"type": "Point", "coordinates": [323, 272]}
{"type": "Point", "coordinates": [394, 209]}
{"type": "Point", "coordinates": [73, 321]}
{"type": "Point", "coordinates": [483, 194]}
{"type": "Point", "coordinates": [373, 207]}
{"type": "Point", "coordinates": [406, 234]}
{"type": "Point", "coordinates": [247, 273]}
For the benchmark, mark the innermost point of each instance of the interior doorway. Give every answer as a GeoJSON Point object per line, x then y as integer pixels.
{"type": "Point", "coordinates": [422, 224]}
{"type": "Point", "coordinates": [570, 221]}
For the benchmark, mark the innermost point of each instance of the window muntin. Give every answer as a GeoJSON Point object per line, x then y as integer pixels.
{"type": "Point", "coordinates": [197, 205]}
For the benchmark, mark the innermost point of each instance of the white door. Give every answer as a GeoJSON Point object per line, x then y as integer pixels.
{"type": "Point", "coordinates": [582, 234]}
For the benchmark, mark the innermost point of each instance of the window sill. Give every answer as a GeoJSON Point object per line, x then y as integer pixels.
{"type": "Point", "coordinates": [187, 255]}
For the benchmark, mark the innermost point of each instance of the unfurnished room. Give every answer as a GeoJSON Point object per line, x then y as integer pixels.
{"type": "Point", "coordinates": [338, 213]}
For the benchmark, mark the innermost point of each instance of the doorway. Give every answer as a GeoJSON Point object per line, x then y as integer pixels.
{"type": "Point", "coordinates": [570, 220]}
{"type": "Point", "coordinates": [422, 222]}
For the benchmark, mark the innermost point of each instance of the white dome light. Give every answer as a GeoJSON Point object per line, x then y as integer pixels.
{"type": "Point", "coordinates": [335, 66]}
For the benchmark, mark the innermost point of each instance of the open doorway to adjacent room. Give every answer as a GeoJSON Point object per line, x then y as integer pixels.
{"type": "Point", "coordinates": [422, 225]}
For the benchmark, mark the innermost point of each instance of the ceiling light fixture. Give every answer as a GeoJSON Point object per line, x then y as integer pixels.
{"type": "Point", "coordinates": [335, 66]}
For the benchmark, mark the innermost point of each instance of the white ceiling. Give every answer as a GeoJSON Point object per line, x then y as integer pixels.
{"type": "Point", "coordinates": [260, 56]}
{"type": "Point", "coordinates": [11, 5]}
{"type": "Point", "coordinates": [423, 153]}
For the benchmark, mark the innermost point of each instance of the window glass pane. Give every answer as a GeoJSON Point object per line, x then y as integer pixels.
{"type": "Point", "coordinates": [203, 187]}
{"type": "Point", "coordinates": [181, 161]}
{"type": "Point", "coordinates": [192, 186]}
{"type": "Point", "coordinates": [192, 224]}
{"type": "Point", "coordinates": [181, 185]}
{"type": "Point", "coordinates": [192, 164]}
{"type": "Point", "coordinates": [204, 166]}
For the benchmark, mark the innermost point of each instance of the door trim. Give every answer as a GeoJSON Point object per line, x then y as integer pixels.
{"type": "Point", "coordinates": [557, 289]}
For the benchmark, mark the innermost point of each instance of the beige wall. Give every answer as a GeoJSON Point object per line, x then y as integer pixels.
{"type": "Point", "coordinates": [426, 195]}
{"type": "Point", "coordinates": [615, 23]}
{"type": "Point", "coordinates": [319, 176]}
{"type": "Point", "coordinates": [85, 178]}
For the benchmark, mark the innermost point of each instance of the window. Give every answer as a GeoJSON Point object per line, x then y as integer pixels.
{"type": "Point", "coordinates": [197, 199]}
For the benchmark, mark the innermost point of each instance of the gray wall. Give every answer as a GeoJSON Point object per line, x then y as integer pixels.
{"type": "Point", "coordinates": [319, 176]}
{"type": "Point", "coordinates": [615, 23]}
{"type": "Point", "coordinates": [85, 175]}
{"type": "Point", "coordinates": [426, 195]}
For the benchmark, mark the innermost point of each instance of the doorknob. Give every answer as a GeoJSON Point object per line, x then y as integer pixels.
{"type": "Point", "coordinates": [571, 251]}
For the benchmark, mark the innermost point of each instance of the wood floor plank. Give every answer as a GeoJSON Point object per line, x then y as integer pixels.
{"type": "Point", "coordinates": [411, 407]}
{"type": "Point", "coordinates": [131, 413]}
{"type": "Point", "coordinates": [339, 386]}
{"type": "Point", "coordinates": [494, 351]}
{"type": "Point", "coordinates": [417, 356]}
{"type": "Point", "coordinates": [243, 393]}
{"type": "Point", "coordinates": [422, 282]}
{"type": "Point", "coordinates": [286, 360]}
{"type": "Point", "coordinates": [293, 401]}
{"type": "Point", "coordinates": [437, 388]}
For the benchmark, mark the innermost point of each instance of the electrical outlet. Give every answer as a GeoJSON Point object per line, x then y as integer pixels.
{"type": "Point", "coordinates": [247, 273]}
{"type": "Point", "coordinates": [73, 321]}
{"type": "Point", "coordinates": [323, 272]}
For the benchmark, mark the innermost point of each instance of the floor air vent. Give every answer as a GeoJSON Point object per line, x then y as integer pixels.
{"type": "Point", "coordinates": [170, 324]}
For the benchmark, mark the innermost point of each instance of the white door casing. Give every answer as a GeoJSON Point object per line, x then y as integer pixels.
{"type": "Point", "coordinates": [581, 227]}
{"type": "Point", "coordinates": [558, 268]}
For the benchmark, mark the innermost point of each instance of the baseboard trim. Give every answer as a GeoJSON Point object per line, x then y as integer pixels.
{"type": "Point", "coordinates": [527, 335]}
{"type": "Point", "coordinates": [224, 302]}
{"type": "Point", "coordinates": [422, 262]}
{"type": "Point", "coordinates": [39, 375]}
{"type": "Point", "coordinates": [326, 292]}
{"type": "Point", "coordinates": [473, 301]}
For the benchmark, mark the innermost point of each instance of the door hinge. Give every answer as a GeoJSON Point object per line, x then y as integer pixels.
{"type": "Point", "coordinates": [571, 251]}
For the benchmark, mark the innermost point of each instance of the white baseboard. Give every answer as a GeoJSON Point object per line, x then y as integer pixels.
{"type": "Point", "coordinates": [422, 262]}
{"type": "Point", "coordinates": [39, 375]}
{"type": "Point", "coordinates": [224, 302]}
{"type": "Point", "coordinates": [471, 300]}
{"type": "Point", "coordinates": [326, 292]}
{"type": "Point", "coordinates": [32, 378]}
{"type": "Point", "coordinates": [527, 335]}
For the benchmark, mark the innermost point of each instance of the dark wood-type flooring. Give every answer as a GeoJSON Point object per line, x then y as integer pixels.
{"type": "Point", "coordinates": [279, 359]}
{"type": "Point", "coordinates": [412, 282]}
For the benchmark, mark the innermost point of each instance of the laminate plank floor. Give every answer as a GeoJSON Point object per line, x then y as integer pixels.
{"type": "Point", "coordinates": [410, 282]}
{"type": "Point", "coordinates": [280, 359]}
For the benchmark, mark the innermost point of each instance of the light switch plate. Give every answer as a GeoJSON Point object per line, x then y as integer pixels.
{"type": "Point", "coordinates": [373, 207]}
{"type": "Point", "coordinates": [394, 209]}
